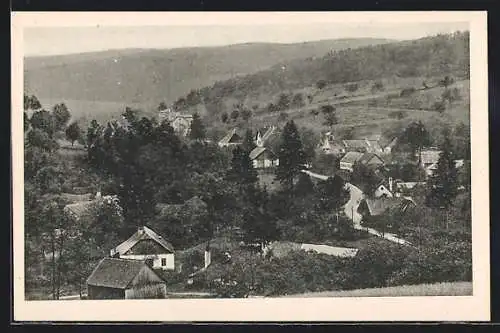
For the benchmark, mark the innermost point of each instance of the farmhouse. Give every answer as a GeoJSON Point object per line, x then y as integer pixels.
{"type": "Point", "coordinates": [263, 158]}
{"type": "Point", "coordinates": [370, 159]}
{"type": "Point", "coordinates": [369, 207]}
{"type": "Point", "coordinates": [147, 245]}
{"type": "Point", "coordinates": [231, 139]}
{"type": "Point", "coordinates": [115, 278]}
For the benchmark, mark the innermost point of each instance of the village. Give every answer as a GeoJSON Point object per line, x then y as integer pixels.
{"type": "Point", "coordinates": [250, 170]}
{"type": "Point", "coordinates": [143, 265]}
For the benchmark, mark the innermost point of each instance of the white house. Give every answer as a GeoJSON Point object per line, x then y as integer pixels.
{"type": "Point", "coordinates": [263, 158]}
{"type": "Point", "coordinates": [147, 245]}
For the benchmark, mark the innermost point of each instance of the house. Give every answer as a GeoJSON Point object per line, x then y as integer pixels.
{"type": "Point", "coordinates": [147, 245]}
{"type": "Point", "coordinates": [115, 278]}
{"type": "Point", "coordinates": [349, 159]}
{"type": "Point", "coordinates": [180, 122]}
{"type": "Point", "coordinates": [263, 158]}
{"type": "Point", "coordinates": [369, 207]}
{"type": "Point", "coordinates": [231, 139]}
{"type": "Point", "coordinates": [331, 146]}
{"type": "Point", "coordinates": [429, 159]}
{"type": "Point", "coordinates": [360, 146]}
{"type": "Point", "coordinates": [369, 159]}
{"type": "Point", "coordinates": [390, 146]}
{"type": "Point", "coordinates": [263, 135]}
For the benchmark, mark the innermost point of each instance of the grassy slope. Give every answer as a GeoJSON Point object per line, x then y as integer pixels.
{"type": "Point", "coordinates": [435, 289]}
{"type": "Point", "coordinates": [137, 76]}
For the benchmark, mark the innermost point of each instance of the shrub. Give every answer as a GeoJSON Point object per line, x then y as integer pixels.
{"type": "Point", "coordinates": [407, 92]}
{"type": "Point", "coordinates": [351, 87]}
{"type": "Point", "coordinates": [439, 106]}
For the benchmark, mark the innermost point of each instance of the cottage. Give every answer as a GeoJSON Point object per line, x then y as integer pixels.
{"type": "Point", "coordinates": [181, 123]}
{"type": "Point", "coordinates": [262, 158]}
{"type": "Point", "coordinates": [370, 159]}
{"type": "Point", "coordinates": [147, 245]}
{"type": "Point", "coordinates": [231, 139]}
{"type": "Point", "coordinates": [115, 278]}
{"type": "Point", "coordinates": [377, 206]}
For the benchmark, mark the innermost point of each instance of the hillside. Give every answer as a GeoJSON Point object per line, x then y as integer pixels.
{"type": "Point", "coordinates": [152, 75]}
{"type": "Point", "coordinates": [426, 57]}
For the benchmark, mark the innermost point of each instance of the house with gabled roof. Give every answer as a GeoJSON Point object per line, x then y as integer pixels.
{"type": "Point", "coordinates": [115, 278]}
{"type": "Point", "coordinates": [147, 245]}
{"type": "Point", "coordinates": [263, 157]}
{"type": "Point", "coordinates": [232, 138]}
{"type": "Point", "coordinates": [350, 158]}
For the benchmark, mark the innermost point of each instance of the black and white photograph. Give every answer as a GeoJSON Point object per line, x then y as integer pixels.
{"type": "Point", "coordinates": [287, 159]}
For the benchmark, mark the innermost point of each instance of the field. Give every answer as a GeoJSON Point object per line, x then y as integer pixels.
{"type": "Point", "coordinates": [435, 289]}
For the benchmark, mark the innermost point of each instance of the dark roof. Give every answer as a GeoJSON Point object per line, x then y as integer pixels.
{"type": "Point", "coordinates": [142, 234]}
{"type": "Point", "coordinates": [368, 156]}
{"type": "Point", "coordinates": [231, 137]}
{"type": "Point", "coordinates": [115, 273]}
{"type": "Point", "coordinates": [351, 157]}
{"type": "Point", "coordinates": [380, 205]}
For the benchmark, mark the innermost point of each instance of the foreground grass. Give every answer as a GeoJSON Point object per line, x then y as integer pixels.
{"type": "Point", "coordinates": [436, 289]}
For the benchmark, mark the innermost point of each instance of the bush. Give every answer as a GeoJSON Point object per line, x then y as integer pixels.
{"type": "Point", "coordinates": [351, 87]}
{"type": "Point", "coordinates": [407, 92]}
{"type": "Point", "coordinates": [439, 106]}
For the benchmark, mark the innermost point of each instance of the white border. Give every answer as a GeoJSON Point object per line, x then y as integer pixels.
{"type": "Point", "coordinates": [470, 308]}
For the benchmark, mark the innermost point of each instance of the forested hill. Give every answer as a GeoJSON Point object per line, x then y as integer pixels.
{"type": "Point", "coordinates": [426, 57]}
{"type": "Point", "coordinates": [153, 75]}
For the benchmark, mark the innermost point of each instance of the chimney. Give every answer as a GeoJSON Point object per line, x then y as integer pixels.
{"type": "Point", "coordinates": [140, 230]}
{"type": "Point", "coordinates": [208, 257]}
{"type": "Point", "coordinates": [390, 184]}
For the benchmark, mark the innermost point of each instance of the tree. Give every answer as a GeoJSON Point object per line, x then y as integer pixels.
{"type": "Point", "coordinates": [73, 132]}
{"type": "Point", "coordinates": [321, 84]}
{"type": "Point", "coordinates": [298, 100]}
{"type": "Point", "coordinates": [416, 136]}
{"type": "Point", "coordinates": [331, 119]}
{"type": "Point", "coordinates": [333, 194]}
{"type": "Point", "coordinates": [40, 139]}
{"type": "Point", "coordinates": [327, 109]}
{"type": "Point", "coordinates": [235, 114]}
{"type": "Point", "coordinates": [446, 81]}
{"type": "Point", "coordinates": [246, 114]}
{"type": "Point", "coordinates": [242, 170]}
{"type": "Point", "coordinates": [283, 101]}
{"type": "Point", "coordinates": [248, 141]}
{"type": "Point", "coordinates": [291, 156]}
{"type": "Point", "coordinates": [44, 121]}
{"type": "Point", "coordinates": [443, 183]}
{"type": "Point", "coordinates": [304, 185]}
{"type": "Point", "coordinates": [31, 103]}
{"type": "Point", "coordinates": [365, 175]}
{"type": "Point", "coordinates": [197, 130]}
{"type": "Point", "coordinates": [61, 115]}
{"type": "Point", "coordinates": [224, 117]}
{"type": "Point", "coordinates": [162, 106]}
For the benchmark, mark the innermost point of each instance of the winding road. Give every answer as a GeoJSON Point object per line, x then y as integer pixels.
{"type": "Point", "coordinates": [351, 211]}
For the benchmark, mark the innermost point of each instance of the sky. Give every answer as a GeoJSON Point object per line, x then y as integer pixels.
{"type": "Point", "coordinates": [65, 40]}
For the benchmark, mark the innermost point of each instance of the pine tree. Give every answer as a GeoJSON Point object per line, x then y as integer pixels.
{"type": "Point", "coordinates": [304, 185]}
{"type": "Point", "coordinates": [291, 156]}
{"type": "Point", "coordinates": [197, 130]}
{"type": "Point", "coordinates": [242, 170]}
{"type": "Point", "coordinates": [248, 142]}
{"type": "Point", "coordinates": [444, 182]}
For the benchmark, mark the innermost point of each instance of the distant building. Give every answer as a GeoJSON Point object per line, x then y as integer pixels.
{"type": "Point", "coordinates": [232, 138]}
{"type": "Point", "coordinates": [263, 135]}
{"type": "Point", "coordinates": [147, 245]}
{"type": "Point", "coordinates": [369, 159]}
{"type": "Point", "coordinates": [180, 122]}
{"type": "Point", "coordinates": [263, 158]}
{"type": "Point", "coordinates": [369, 207]}
{"type": "Point", "coordinates": [331, 146]}
{"type": "Point", "coordinates": [115, 278]}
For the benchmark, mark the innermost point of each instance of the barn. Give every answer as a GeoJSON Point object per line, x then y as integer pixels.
{"type": "Point", "coordinates": [115, 278]}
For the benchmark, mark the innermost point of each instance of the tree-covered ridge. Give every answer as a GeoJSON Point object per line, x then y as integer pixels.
{"type": "Point", "coordinates": [440, 55]}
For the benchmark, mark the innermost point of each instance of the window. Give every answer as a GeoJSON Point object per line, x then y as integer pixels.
{"type": "Point", "coordinates": [164, 262]}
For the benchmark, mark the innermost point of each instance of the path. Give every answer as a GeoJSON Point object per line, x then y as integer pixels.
{"type": "Point", "coordinates": [351, 210]}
